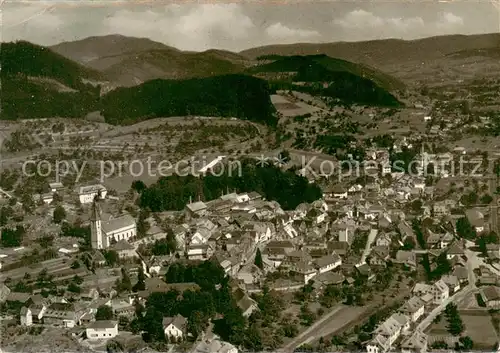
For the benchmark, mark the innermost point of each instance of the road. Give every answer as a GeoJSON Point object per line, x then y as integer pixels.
{"type": "Point", "coordinates": [456, 298]}
{"type": "Point", "coordinates": [477, 261]}
{"type": "Point", "coordinates": [297, 341]}
{"type": "Point", "coordinates": [493, 205]}
{"type": "Point", "coordinates": [368, 246]}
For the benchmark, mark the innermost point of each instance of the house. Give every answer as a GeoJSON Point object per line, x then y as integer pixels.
{"type": "Point", "coordinates": [387, 333]}
{"type": "Point", "coordinates": [407, 258]}
{"type": "Point", "coordinates": [175, 327]}
{"type": "Point", "coordinates": [461, 273]}
{"type": "Point", "coordinates": [244, 302]}
{"type": "Point", "coordinates": [214, 346]}
{"type": "Point", "coordinates": [406, 231]}
{"type": "Point", "coordinates": [61, 314]}
{"type": "Point", "coordinates": [26, 317]}
{"type": "Point", "coordinates": [441, 209]}
{"type": "Point", "coordinates": [55, 187]}
{"type": "Point", "coordinates": [384, 239]}
{"type": "Point", "coordinates": [454, 250]}
{"type": "Point", "coordinates": [199, 252]}
{"type": "Point", "coordinates": [124, 249]}
{"type": "Point", "coordinates": [249, 274]}
{"type": "Point", "coordinates": [416, 343]}
{"type": "Point", "coordinates": [87, 194]}
{"type": "Point", "coordinates": [440, 292]}
{"type": "Point", "coordinates": [365, 271]}
{"type": "Point", "coordinates": [476, 219]}
{"type": "Point", "coordinates": [4, 292]}
{"type": "Point", "coordinates": [328, 263]}
{"type": "Point", "coordinates": [346, 234]}
{"type": "Point", "coordinates": [379, 256]}
{"type": "Point", "coordinates": [452, 282]}
{"type": "Point", "coordinates": [491, 296]}
{"type": "Point", "coordinates": [422, 289]}
{"type": "Point", "coordinates": [122, 308]}
{"type": "Point", "coordinates": [102, 329]}
{"type": "Point", "coordinates": [196, 209]}
{"type": "Point", "coordinates": [414, 308]}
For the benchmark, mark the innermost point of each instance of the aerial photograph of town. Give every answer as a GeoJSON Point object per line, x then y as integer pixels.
{"type": "Point", "coordinates": [250, 176]}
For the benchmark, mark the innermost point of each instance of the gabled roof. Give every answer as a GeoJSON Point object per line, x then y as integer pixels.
{"type": "Point", "coordinates": [102, 324]}
{"type": "Point", "coordinates": [178, 321]}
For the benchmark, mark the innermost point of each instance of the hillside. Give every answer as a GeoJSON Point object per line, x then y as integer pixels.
{"type": "Point", "coordinates": [339, 79]}
{"type": "Point", "coordinates": [379, 53]}
{"type": "Point", "coordinates": [128, 70]}
{"type": "Point", "coordinates": [27, 59]}
{"type": "Point", "coordinates": [240, 96]}
{"type": "Point", "coordinates": [39, 83]}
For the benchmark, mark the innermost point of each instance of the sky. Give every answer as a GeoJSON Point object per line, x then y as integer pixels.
{"type": "Point", "coordinates": [238, 25]}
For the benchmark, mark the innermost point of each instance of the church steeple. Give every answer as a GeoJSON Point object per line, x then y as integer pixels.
{"type": "Point", "coordinates": [96, 226]}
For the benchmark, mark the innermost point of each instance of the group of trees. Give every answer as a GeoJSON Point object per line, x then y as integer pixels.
{"type": "Point", "coordinates": [455, 323]}
{"type": "Point", "coordinates": [483, 240]}
{"type": "Point", "coordinates": [285, 187]}
{"type": "Point", "coordinates": [238, 96]}
{"type": "Point", "coordinates": [442, 267]}
{"type": "Point", "coordinates": [465, 229]}
{"type": "Point", "coordinates": [12, 237]}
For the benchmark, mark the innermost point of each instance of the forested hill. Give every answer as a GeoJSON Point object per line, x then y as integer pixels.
{"type": "Point", "coordinates": [27, 59]}
{"type": "Point", "coordinates": [38, 83]}
{"type": "Point", "coordinates": [339, 79]}
{"type": "Point", "coordinates": [240, 96]}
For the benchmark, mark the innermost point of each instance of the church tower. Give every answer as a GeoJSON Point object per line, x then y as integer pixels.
{"type": "Point", "coordinates": [96, 226]}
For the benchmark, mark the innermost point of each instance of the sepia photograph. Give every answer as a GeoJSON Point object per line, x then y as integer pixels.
{"type": "Point", "coordinates": [249, 176]}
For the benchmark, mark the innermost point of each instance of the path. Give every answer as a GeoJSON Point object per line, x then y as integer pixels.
{"type": "Point", "coordinates": [304, 335]}
{"type": "Point", "coordinates": [368, 246]}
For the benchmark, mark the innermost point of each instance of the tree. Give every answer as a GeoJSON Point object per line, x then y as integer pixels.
{"type": "Point", "coordinates": [125, 283]}
{"type": "Point", "coordinates": [74, 288]}
{"type": "Point", "coordinates": [75, 265]}
{"type": "Point", "coordinates": [284, 156]}
{"type": "Point", "coordinates": [486, 199]}
{"type": "Point", "coordinates": [138, 185]}
{"type": "Point", "coordinates": [466, 343]}
{"type": "Point", "coordinates": [104, 312]}
{"type": "Point", "coordinates": [111, 257]}
{"type": "Point", "coordinates": [258, 260]}
{"type": "Point", "coordinates": [465, 229]}
{"type": "Point", "coordinates": [59, 214]}
{"type": "Point", "coordinates": [416, 206]}
{"type": "Point", "coordinates": [141, 284]}
{"type": "Point", "coordinates": [12, 237]}
{"type": "Point", "coordinates": [455, 324]}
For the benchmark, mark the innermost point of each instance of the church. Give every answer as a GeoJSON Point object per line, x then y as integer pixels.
{"type": "Point", "coordinates": [106, 229]}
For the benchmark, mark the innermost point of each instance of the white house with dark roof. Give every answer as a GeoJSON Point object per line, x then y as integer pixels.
{"type": "Point", "coordinates": [102, 329]}
{"type": "Point", "coordinates": [87, 194]}
{"type": "Point", "coordinates": [414, 308]}
{"type": "Point", "coordinates": [124, 249]}
{"type": "Point", "coordinates": [195, 209]}
{"type": "Point", "coordinates": [328, 263]}
{"type": "Point", "coordinates": [440, 292]}
{"type": "Point", "coordinates": [174, 327]}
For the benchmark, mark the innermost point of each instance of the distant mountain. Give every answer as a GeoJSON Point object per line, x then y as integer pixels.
{"type": "Point", "coordinates": [379, 53]}
{"type": "Point", "coordinates": [131, 61]}
{"type": "Point", "coordinates": [326, 76]}
{"type": "Point", "coordinates": [91, 49]}
{"type": "Point", "coordinates": [240, 96]}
